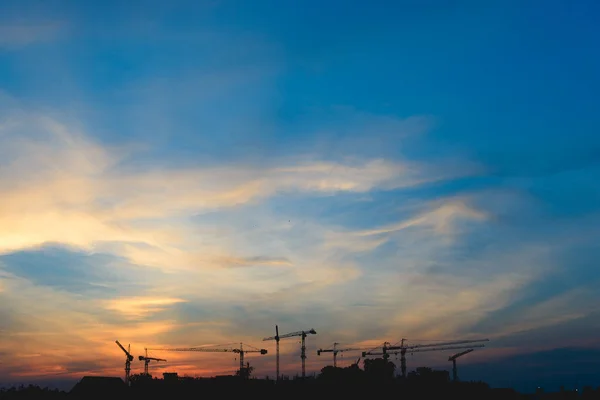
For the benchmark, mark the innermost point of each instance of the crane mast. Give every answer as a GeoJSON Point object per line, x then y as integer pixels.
{"type": "Point", "coordinates": [238, 350]}
{"type": "Point", "coordinates": [128, 360]}
{"type": "Point", "coordinates": [335, 352]}
{"type": "Point", "coordinates": [402, 349]}
{"type": "Point", "coordinates": [453, 359]}
{"type": "Point", "coordinates": [303, 335]}
{"type": "Point", "coordinates": [241, 352]}
{"type": "Point", "coordinates": [147, 360]}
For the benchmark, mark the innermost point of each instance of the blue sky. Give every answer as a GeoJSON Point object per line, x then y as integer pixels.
{"type": "Point", "coordinates": [192, 173]}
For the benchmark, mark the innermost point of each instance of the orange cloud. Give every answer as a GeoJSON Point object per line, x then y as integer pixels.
{"type": "Point", "coordinates": [60, 186]}
{"type": "Point", "coordinates": [135, 307]}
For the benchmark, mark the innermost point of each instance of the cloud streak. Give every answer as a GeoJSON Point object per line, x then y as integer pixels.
{"type": "Point", "coordinates": [365, 244]}
{"type": "Point", "coordinates": [73, 190]}
{"type": "Point", "coordinates": [136, 307]}
{"type": "Point", "coordinates": [60, 186]}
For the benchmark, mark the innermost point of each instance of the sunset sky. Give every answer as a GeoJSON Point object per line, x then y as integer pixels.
{"type": "Point", "coordinates": [191, 173]}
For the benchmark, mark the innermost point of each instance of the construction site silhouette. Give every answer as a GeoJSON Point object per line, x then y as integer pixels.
{"type": "Point", "coordinates": [378, 377]}
{"type": "Point", "coordinates": [375, 379]}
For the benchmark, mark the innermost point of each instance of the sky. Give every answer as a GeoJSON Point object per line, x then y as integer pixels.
{"type": "Point", "coordinates": [193, 173]}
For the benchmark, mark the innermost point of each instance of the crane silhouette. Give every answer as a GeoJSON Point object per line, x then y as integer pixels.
{"type": "Point", "coordinates": [453, 359]}
{"type": "Point", "coordinates": [147, 360]}
{"type": "Point", "coordinates": [402, 349]}
{"type": "Point", "coordinates": [335, 352]}
{"type": "Point", "coordinates": [128, 361]}
{"type": "Point", "coordinates": [303, 335]}
{"type": "Point", "coordinates": [238, 350]}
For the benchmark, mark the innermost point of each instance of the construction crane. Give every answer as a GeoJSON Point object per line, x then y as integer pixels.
{"type": "Point", "coordinates": [402, 349]}
{"type": "Point", "coordinates": [147, 360]}
{"type": "Point", "coordinates": [411, 351]}
{"type": "Point", "coordinates": [303, 335]}
{"type": "Point", "coordinates": [335, 352]}
{"type": "Point", "coordinates": [453, 359]}
{"type": "Point", "coordinates": [238, 350]}
{"type": "Point", "coordinates": [128, 361]}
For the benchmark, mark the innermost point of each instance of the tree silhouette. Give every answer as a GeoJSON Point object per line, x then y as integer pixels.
{"type": "Point", "coordinates": [379, 369]}
{"type": "Point", "coordinates": [428, 376]}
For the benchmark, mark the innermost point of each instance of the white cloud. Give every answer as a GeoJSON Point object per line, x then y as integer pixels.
{"type": "Point", "coordinates": [60, 186]}
{"type": "Point", "coordinates": [439, 218]}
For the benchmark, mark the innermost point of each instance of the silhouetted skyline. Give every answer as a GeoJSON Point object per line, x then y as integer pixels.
{"type": "Point", "coordinates": [178, 174]}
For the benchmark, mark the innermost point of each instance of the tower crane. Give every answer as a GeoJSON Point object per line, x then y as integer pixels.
{"type": "Point", "coordinates": [419, 350]}
{"type": "Point", "coordinates": [128, 361]}
{"type": "Point", "coordinates": [303, 335]}
{"type": "Point", "coordinates": [402, 349]}
{"type": "Point", "coordinates": [335, 352]}
{"type": "Point", "coordinates": [453, 359]}
{"type": "Point", "coordinates": [147, 360]}
{"type": "Point", "coordinates": [238, 350]}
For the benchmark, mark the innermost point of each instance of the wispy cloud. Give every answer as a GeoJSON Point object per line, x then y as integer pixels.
{"type": "Point", "coordinates": [73, 190]}
{"type": "Point", "coordinates": [440, 218]}
{"type": "Point", "coordinates": [259, 260]}
{"type": "Point", "coordinates": [226, 250]}
{"type": "Point", "coordinates": [162, 196]}
{"type": "Point", "coordinates": [136, 307]}
{"type": "Point", "coordinates": [60, 186]}
{"type": "Point", "coordinates": [572, 305]}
